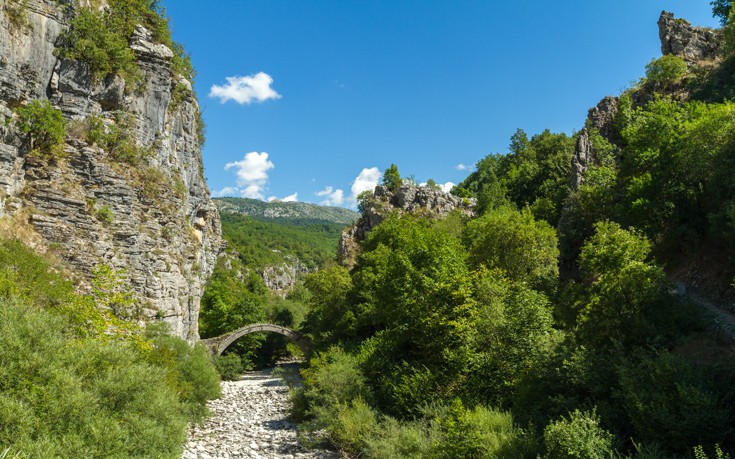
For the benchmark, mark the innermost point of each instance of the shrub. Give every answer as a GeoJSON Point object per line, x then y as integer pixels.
{"type": "Point", "coordinates": [354, 422]}
{"type": "Point", "coordinates": [104, 214]}
{"type": "Point", "coordinates": [189, 370]}
{"type": "Point", "coordinates": [17, 13]}
{"type": "Point", "coordinates": [229, 366]}
{"type": "Point", "coordinates": [101, 38]}
{"type": "Point", "coordinates": [699, 453]}
{"type": "Point", "coordinates": [477, 433]}
{"type": "Point", "coordinates": [665, 71]}
{"type": "Point", "coordinates": [45, 125]}
{"type": "Point", "coordinates": [63, 397]}
{"type": "Point", "coordinates": [399, 440]}
{"type": "Point", "coordinates": [334, 378]}
{"type": "Point", "coordinates": [28, 276]}
{"type": "Point", "coordinates": [91, 38]}
{"type": "Point", "coordinates": [578, 436]}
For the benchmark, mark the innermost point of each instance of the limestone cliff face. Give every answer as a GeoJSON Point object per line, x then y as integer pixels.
{"type": "Point", "coordinates": [154, 219]}
{"type": "Point", "coordinates": [408, 198]}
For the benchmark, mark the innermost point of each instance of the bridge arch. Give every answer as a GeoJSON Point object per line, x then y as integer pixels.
{"type": "Point", "coordinates": [218, 344]}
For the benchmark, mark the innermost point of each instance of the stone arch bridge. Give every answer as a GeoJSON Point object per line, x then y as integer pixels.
{"type": "Point", "coordinates": [218, 344]}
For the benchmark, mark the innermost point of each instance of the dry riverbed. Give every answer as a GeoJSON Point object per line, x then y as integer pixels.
{"type": "Point", "coordinates": [250, 421]}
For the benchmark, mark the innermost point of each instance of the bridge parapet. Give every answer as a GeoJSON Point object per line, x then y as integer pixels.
{"type": "Point", "coordinates": [218, 344]}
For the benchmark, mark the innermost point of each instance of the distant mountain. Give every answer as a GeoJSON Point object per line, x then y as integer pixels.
{"type": "Point", "coordinates": [286, 211]}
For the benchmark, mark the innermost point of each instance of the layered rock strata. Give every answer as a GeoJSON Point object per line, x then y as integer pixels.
{"type": "Point", "coordinates": [152, 219]}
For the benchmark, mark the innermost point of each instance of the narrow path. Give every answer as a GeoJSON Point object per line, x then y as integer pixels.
{"type": "Point", "coordinates": [249, 421]}
{"type": "Point", "coordinates": [724, 321]}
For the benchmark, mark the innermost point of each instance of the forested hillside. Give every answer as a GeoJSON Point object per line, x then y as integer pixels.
{"type": "Point", "coordinates": [285, 212]}
{"type": "Point", "coordinates": [546, 325]}
{"type": "Point", "coordinates": [271, 248]}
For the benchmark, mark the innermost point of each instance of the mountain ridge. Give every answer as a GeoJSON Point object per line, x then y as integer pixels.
{"type": "Point", "coordinates": [280, 210]}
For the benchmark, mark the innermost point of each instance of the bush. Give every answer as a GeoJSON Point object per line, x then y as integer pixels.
{"type": "Point", "coordinates": [578, 437]}
{"type": "Point", "coordinates": [91, 38]}
{"type": "Point", "coordinates": [101, 38]}
{"type": "Point", "coordinates": [64, 397]}
{"type": "Point", "coordinates": [229, 366]}
{"type": "Point", "coordinates": [665, 71]}
{"type": "Point", "coordinates": [354, 423]}
{"type": "Point", "coordinates": [477, 433]}
{"type": "Point", "coordinates": [189, 370]}
{"type": "Point", "coordinates": [45, 125]}
{"type": "Point", "coordinates": [104, 214]}
{"type": "Point", "coordinates": [28, 276]}
{"type": "Point", "coordinates": [523, 247]}
{"type": "Point", "coordinates": [399, 440]}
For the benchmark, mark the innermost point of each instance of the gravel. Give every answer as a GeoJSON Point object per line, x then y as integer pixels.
{"type": "Point", "coordinates": [250, 421]}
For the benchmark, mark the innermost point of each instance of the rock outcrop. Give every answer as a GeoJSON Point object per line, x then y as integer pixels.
{"type": "Point", "coordinates": [408, 198]}
{"type": "Point", "coordinates": [280, 279]}
{"type": "Point", "coordinates": [153, 219]}
{"type": "Point", "coordinates": [680, 38]}
{"type": "Point", "coordinates": [600, 117]}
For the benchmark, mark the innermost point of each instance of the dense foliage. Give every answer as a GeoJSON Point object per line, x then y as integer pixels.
{"type": "Point", "coordinates": [546, 325]}
{"type": "Point", "coordinates": [260, 242]}
{"type": "Point", "coordinates": [78, 381]}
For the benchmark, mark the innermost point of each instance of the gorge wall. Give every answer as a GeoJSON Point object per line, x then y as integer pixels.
{"type": "Point", "coordinates": [152, 219]}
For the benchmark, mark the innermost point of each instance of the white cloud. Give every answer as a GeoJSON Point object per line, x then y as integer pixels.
{"type": "Point", "coordinates": [447, 187]}
{"type": "Point", "coordinates": [290, 198]}
{"type": "Point", "coordinates": [226, 191]}
{"type": "Point", "coordinates": [246, 89]}
{"type": "Point", "coordinates": [252, 174]}
{"type": "Point", "coordinates": [366, 180]}
{"type": "Point", "coordinates": [333, 197]}
{"type": "Point", "coordinates": [461, 167]}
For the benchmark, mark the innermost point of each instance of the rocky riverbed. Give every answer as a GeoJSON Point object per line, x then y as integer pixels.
{"type": "Point", "coordinates": [250, 421]}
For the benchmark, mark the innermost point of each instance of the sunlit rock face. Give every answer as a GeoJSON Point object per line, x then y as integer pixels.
{"type": "Point", "coordinates": [680, 38]}
{"type": "Point", "coordinates": [422, 200]}
{"type": "Point", "coordinates": [154, 219]}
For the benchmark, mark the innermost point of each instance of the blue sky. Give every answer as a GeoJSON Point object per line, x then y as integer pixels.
{"type": "Point", "coordinates": [312, 100]}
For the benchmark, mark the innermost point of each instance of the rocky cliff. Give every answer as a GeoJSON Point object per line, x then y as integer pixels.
{"type": "Point", "coordinates": [152, 217]}
{"type": "Point", "coordinates": [695, 45]}
{"type": "Point", "coordinates": [408, 198]}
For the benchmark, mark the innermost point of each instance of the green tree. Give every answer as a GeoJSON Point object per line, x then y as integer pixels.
{"type": "Point", "coordinates": [392, 178]}
{"type": "Point", "coordinates": [515, 337]}
{"type": "Point", "coordinates": [330, 319]}
{"type": "Point", "coordinates": [666, 71]}
{"type": "Point", "coordinates": [93, 39]}
{"type": "Point", "coordinates": [721, 9]}
{"type": "Point", "coordinates": [628, 300]}
{"type": "Point", "coordinates": [411, 299]}
{"type": "Point", "coordinates": [45, 125]}
{"type": "Point", "coordinates": [513, 241]}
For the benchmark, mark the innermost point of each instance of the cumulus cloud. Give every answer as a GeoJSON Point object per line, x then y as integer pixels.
{"type": "Point", "coordinates": [447, 187]}
{"type": "Point", "coordinates": [252, 174]}
{"type": "Point", "coordinates": [290, 198]}
{"type": "Point", "coordinates": [366, 180]}
{"type": "Point", "coordinates": [245, 89]}
{"type": "Point", "coordinates": [461, 167]}
{"type": "Point", "coordinates": [333, 197]}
